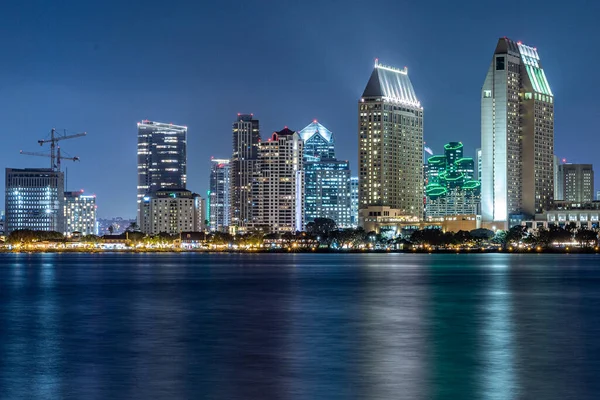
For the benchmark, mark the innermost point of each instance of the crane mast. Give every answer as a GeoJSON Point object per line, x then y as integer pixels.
{"type": "Point", "coordinates": [54, 155]}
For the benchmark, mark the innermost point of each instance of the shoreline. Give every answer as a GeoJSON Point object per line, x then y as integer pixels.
{"type": "Point", "coordinates": [309, 251]}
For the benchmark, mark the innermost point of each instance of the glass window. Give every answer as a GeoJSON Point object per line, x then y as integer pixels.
{"type": "Point", "coordinates": [499, 63]}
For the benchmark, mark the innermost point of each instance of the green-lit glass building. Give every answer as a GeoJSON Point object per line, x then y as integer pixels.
{"type": "Point", "coordinates": [451, 188]}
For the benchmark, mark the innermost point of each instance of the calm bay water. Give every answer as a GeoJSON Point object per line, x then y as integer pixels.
{"type": "Point", "coordinates": [299, 326]}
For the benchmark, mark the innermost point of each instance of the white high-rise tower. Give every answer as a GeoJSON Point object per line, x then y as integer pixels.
{"type": "Point", "coordinates": [517, 135]}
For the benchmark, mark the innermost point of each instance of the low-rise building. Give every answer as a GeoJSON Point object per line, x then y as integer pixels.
{"type": "Point", "coordinates": [171, 211]}
{"type": "Point", "coordinates": [392, 222]}
{"type": "Point", "coordinates": [582, 215]}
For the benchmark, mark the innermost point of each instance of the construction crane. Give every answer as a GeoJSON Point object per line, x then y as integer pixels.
{"type": "Point", "coordinates": [54, 138]}
{"type": "Point", "coordinates": [58, 157]}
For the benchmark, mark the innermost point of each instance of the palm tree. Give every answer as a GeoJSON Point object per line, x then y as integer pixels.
{"type": "Point", "coordinates": [133, 227]}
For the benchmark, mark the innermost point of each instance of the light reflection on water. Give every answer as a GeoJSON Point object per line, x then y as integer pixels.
{"type": "Point", "coordinates": [498, 374]}
{"type": "Point", "coordinates": [304, 326]}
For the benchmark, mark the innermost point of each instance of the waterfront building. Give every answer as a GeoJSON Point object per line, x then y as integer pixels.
{"type": "Point", "coordinates": [576, 183]}
{"type": "Point", "coordinates": [451, 185]}
{"type": "Point", "coordinates": [388, 223]}
{"type": "Point", "coordinates": [354, 201]}
{"type": "Point", "coordinates": [244, 169]}
{"type": "Point", "coordinates": [517, 135]}
{"type": "Point", "coordinates": [219, 196]}
{"type": "Point", "coordinates": [564, 212]}
{"type": "Point", "coordinates": [34, 199]}
{"type": "Point", "coordinates": [277, 196]}
{"type": "Point", "coordinates": [390, 142]}
{"type": "Point", "coordinates": [161, 158]}
{"type": "Point", "coordinates": [327, 191]}
{"type": "Point", "coordinates": [171, 211]}
{"type": "Point", "coordinates": [80, 214]}
{"type": "Point", "coordinates": [326, 179]}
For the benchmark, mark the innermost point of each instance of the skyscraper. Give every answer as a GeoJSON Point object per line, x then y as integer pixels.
{"type": "Point", "coordinates": [390, 141]}
{"type": "Point", "coordinates": [576, 182]}
{"type": "Point", "coordinates": [34, 199]}
{"type": "Point", "coordinates": [244, 169]}
{"type": "Point", "coordinates": [80, 213]}
{"type": "Point", "coordinates": [326, 179]}
{"type": "Point", "coordinates": [162, 159]}
{"type": "Point", "coordinates": [220, 174]}
{"type": "Point", "coordinates": [517, 135]}
{"type": "Point", "coordinates": [278, 201]}
{"type": "Point", "coordinates": [451, 188]}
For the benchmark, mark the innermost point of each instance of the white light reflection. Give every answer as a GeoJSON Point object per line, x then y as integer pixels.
{"type": "Point", "coordinates": [498, 350]}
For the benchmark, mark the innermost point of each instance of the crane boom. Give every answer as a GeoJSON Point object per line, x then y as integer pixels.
{"type": "Point", "coordinates": [51, 155]}
{"type": "Point", "coordinates": [30, 153]}
{"type": "Point", "coordinates": [54, 139]}
{"type": "Point", "coordinates": [57, 138]}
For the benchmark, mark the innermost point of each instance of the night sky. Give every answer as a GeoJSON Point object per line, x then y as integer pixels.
{"type": "Point", "coordinates": [103, 67]}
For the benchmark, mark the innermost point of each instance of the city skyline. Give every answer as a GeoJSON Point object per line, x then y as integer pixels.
{"type": "Point", "coordinates": [90, 99]}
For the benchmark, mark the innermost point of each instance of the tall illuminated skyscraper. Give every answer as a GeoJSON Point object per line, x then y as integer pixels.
{"type": "Point", "coordinates": [390, 141]}
{"type": "Point", "coordinates": [517, 135]}
{"type": "Point", "coordinates": [326, 179]}
{"type": "Point", "coordinates": [244, 169]}
{"type": "Point", "coordinates": [162, 158]}
{"type": "Point", "coordinates": [278, 201]}
{"type": "Point", "coordinates": [220, 175]}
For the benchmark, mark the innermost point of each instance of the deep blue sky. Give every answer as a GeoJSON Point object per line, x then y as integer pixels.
{"type": "Point", "coordinates": [102, 66]}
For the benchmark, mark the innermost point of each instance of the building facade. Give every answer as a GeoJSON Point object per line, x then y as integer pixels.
{"type": "Point", "coordinates": [564, 213]}
{"type": "Point", "coordinates": [80, 214]}
{"type": "Point", "coordinates": [244, 169]}
{"type": "Point", "coordinates": [219, 196]}
{"type": "Point", "coordinates": [161, 158]}
{"type": "Point", "coordinates": [354, 201]}
{"type": "Point", "coordinates": [171, 211]}
{"type": "Point", "coordinates": [517, 135]}
{"type": "Point", "coordinates": [277, 198]}
{"type": "Point", "coordinates": [478, 170]}
{"type": "Point", "coordinates": [34, 199]}
{"type": "Point", "coordinates": [576, 183]}
{"type": "Point", "coordinates": [451, 185]}
{"type": "Point", "coordinates": [390, 142]}
{"type": "Point", "coordinates": [326, 179]}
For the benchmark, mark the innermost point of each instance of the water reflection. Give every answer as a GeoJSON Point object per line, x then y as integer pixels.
{"type": "Point", "coordinates": [498, 348]}
{"type": "Point", "coordinates": [377, 326]}
{"type": "Point", "coordinates": [393, 332]}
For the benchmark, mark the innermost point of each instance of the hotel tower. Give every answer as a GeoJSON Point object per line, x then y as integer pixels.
{"type": "Point", "coordinates": [517, 136]}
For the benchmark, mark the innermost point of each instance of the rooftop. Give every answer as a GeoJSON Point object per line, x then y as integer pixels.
{"type": "Point", "coordinates": [315, 128]}
{"type": "Point", "coordinates": [392, 84]}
